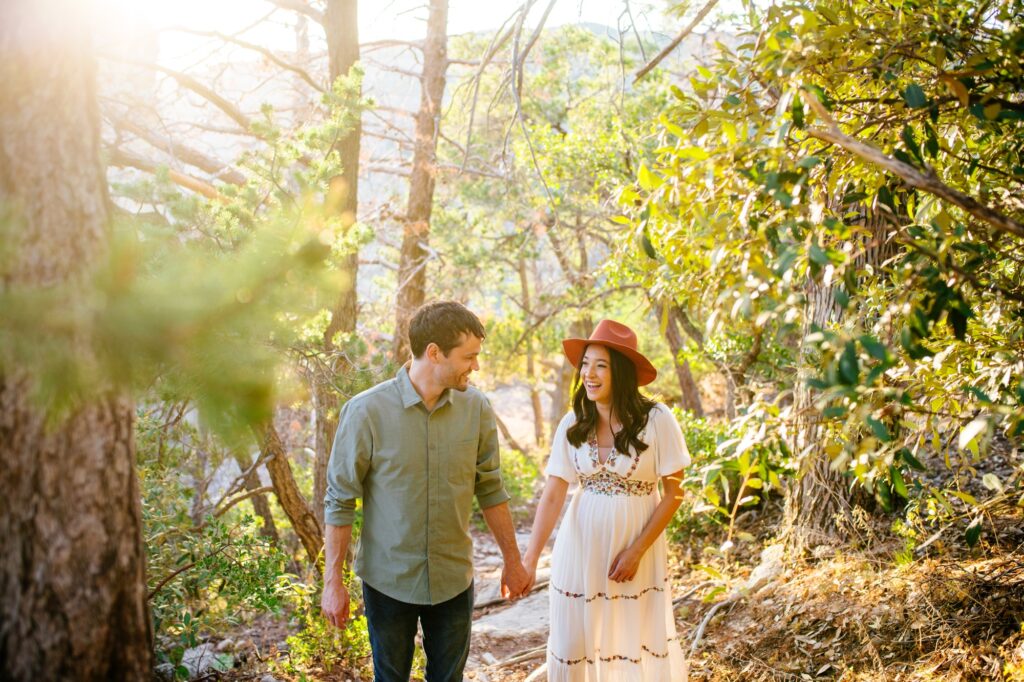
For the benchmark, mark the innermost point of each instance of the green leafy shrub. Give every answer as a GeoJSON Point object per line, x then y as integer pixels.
{"type": "Point", "coordinates": [317, 645]}
{"type": "Point", "coordinates": [203, 577]}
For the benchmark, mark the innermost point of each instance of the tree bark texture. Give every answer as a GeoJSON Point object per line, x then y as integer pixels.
{"type": "Point", "coordinates": [288, 494]}
{"type": "Point", "coordinates": [412, 268]}
{"type": "Point", "coordinates": [72, 569]}
{"type": "Point", "coordinates": [819, 495]}
{"type": "Point", "coordinates": [342, 30]}
{"type": "Point", "coordinates": [687, 386]}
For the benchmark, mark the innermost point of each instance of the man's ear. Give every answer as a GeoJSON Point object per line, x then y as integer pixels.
{"type": "Point", "coordinates": [433, 352]}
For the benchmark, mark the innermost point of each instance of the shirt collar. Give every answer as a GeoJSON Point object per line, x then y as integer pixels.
{"type": "Point", "coordinates": [409, 394]}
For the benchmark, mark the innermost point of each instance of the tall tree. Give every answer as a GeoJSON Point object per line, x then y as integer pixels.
{"type": "Point", "coordinates": [839, 194]}
{"type": "Point", "coordinates": [412, 269]}
{"type": "Point", "coordinates": [72, 582]}
{"type": "Point", "coordinates": [342, 28]}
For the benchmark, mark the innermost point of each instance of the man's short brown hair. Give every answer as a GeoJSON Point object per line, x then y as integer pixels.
{"type": "Point", "coordinates": [443, 323]}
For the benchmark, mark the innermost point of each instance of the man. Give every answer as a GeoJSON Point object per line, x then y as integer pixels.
{"type": "Point", "coordinates": [417, 448]}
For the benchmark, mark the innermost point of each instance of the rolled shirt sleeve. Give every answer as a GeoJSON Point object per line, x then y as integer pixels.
{"type": "Point", "coordinates": [349, 462]}
{"type": "Point", "coordinates": [489, 488]}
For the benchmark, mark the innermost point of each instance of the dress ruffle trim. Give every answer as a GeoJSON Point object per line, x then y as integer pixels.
{"type": "Point", "coordinates": [605, 595]}
{"type": "Point", "coordinates": [613, 658]}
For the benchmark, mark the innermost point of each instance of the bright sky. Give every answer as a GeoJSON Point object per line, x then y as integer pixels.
{"type": "Point", "coordinates": [379, 19]}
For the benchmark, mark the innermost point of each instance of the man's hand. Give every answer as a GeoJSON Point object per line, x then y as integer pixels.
{"type": "Point", "coordinates": [623, 569]}
{"type": "Point", "coordinates": [334, 604]}
{"type": "Point", "coordinates": [515, 581]}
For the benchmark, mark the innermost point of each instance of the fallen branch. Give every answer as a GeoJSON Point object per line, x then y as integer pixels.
{"type": "Point", "coordinates": [523, 656]}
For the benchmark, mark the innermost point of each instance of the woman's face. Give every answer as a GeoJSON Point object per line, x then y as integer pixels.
{"type": "Point", "coordinates": [596, 374]}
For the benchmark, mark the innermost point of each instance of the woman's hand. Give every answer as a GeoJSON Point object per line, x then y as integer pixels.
{"type": "Point", "coordinates": [625, 565]}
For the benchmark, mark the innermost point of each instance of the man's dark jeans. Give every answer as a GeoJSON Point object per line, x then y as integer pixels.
{"type": "Point", "coordinates": [392, 626]}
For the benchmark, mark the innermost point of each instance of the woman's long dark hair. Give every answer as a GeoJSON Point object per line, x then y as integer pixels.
{"type": "Point", "coordinates": [629, 406]}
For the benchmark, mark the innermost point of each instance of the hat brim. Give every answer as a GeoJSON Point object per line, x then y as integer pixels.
{"type": "Point", "coordinates": [645, 371]}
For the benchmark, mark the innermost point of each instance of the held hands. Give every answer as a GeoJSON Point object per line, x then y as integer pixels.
{"type": "Point", "coordinates": [516, 581]}
{"type": "Point", "coordinates": [624, 567]}
{"type": "Point", "coordinates": [334, 603]}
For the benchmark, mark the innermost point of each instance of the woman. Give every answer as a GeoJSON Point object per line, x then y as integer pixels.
{"type": "Point", "coordinates": [611, 604]}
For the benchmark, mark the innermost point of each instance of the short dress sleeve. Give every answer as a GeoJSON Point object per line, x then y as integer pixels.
{"type": "Point", "coordinates": [560, 460]}
{"type": "Point", "coordinates": [673, 455]}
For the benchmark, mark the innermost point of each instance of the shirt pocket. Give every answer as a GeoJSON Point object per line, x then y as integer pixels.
{"type": "Point", "coordinates": [462, 463]}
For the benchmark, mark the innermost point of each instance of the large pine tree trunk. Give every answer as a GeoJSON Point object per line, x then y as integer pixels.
{"type": "Point", "coordinates": [342, 29]}
{"type": "Point", "coordinates": [412, 267]}
{"type": "Point", "coordinates": [72, 582]}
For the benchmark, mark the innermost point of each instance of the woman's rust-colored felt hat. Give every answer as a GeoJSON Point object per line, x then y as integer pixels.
{"type": "Point", "coordinates": [612, 334]}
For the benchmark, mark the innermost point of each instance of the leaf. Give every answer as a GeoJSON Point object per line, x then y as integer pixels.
{"type": "Point", "coordinates": [695, 153]}
{"type": "Point", "coordinates": [875, 349]}
{"type": "Point", "coordinates": [714, 573]}
{"type": "Point", "coordinates": [912, 146]}
{"type": "Point", "coordinates": [849, 364]}
{"type": "Point", "coordinates": [972, 431]}
{"type": "Point", "coordinates": [992, 482]}
{"type": "Point", "coordinates": [966, 497]}
{"type": "Point", "coordinates": [908, 457]}
{"type": "Point", "coordinates": [959, 90]}
{"type": "Point", "coordinates": [818, 255]}
{"type": "Point", "coordinates": [879, 429]}
{"type": "Point", "coordinates": [973, 532]}
{"type": "Point", "coordinates": [797, 112]}
{"type": "Point", "coordinates": [648, 181]}
{"type": "Point", "coordinates": [914, 96]}
{"type": "Point", "coordinates": [898, 484]}
{"type": "Point", "coordinates": [820, 94]}
{"type": "Point", "coordinates": [884, 495]}
{"type": "Point", "coordinates": [992, 111]}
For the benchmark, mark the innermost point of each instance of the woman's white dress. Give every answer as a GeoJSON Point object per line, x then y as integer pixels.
{"type": "Point", "coordinates": [601, 630]}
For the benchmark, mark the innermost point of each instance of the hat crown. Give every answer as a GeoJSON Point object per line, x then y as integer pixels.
{"type": "Point", "coordinates": [615, 332]}
{"type": "Point", "coordinates": [617, 336]}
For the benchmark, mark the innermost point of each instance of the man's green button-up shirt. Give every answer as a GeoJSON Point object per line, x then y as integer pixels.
{"type": "Point", "coordinates": [417, 472]}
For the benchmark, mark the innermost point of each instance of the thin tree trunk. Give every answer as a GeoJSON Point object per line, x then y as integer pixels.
{"type": "Point", "coordinates": [531, 360]}
{"type": "Point", "coordinates": [412, 268]}
{"type": "Point", "coordinates": [288, 494]}
{"type": "Point", "coordinates": [260, 505]}
{"type": "Point", "coordinates": [560, 398]}
{"type": "Point", "coordinates": [342, 29]}
{"type": "Point", "coordinates": [687, 386]}
{"type": "Point", "coordinates": [72, 569]}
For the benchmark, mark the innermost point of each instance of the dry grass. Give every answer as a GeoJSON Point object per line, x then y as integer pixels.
{"type": "Point", "coordinates": [859, 615]}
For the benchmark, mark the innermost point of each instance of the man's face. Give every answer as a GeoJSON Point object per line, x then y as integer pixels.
{"type": "Point", "coordinates": [453, 371]}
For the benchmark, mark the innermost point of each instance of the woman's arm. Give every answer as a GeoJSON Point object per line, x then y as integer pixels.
{"type": "Point", "coordinates": [548, 509]}
{"type": "Point", "coordinates": [624, 567]}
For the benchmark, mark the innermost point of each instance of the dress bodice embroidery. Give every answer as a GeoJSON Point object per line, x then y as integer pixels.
{"type": "Point", "coordinates": [611, 477]}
